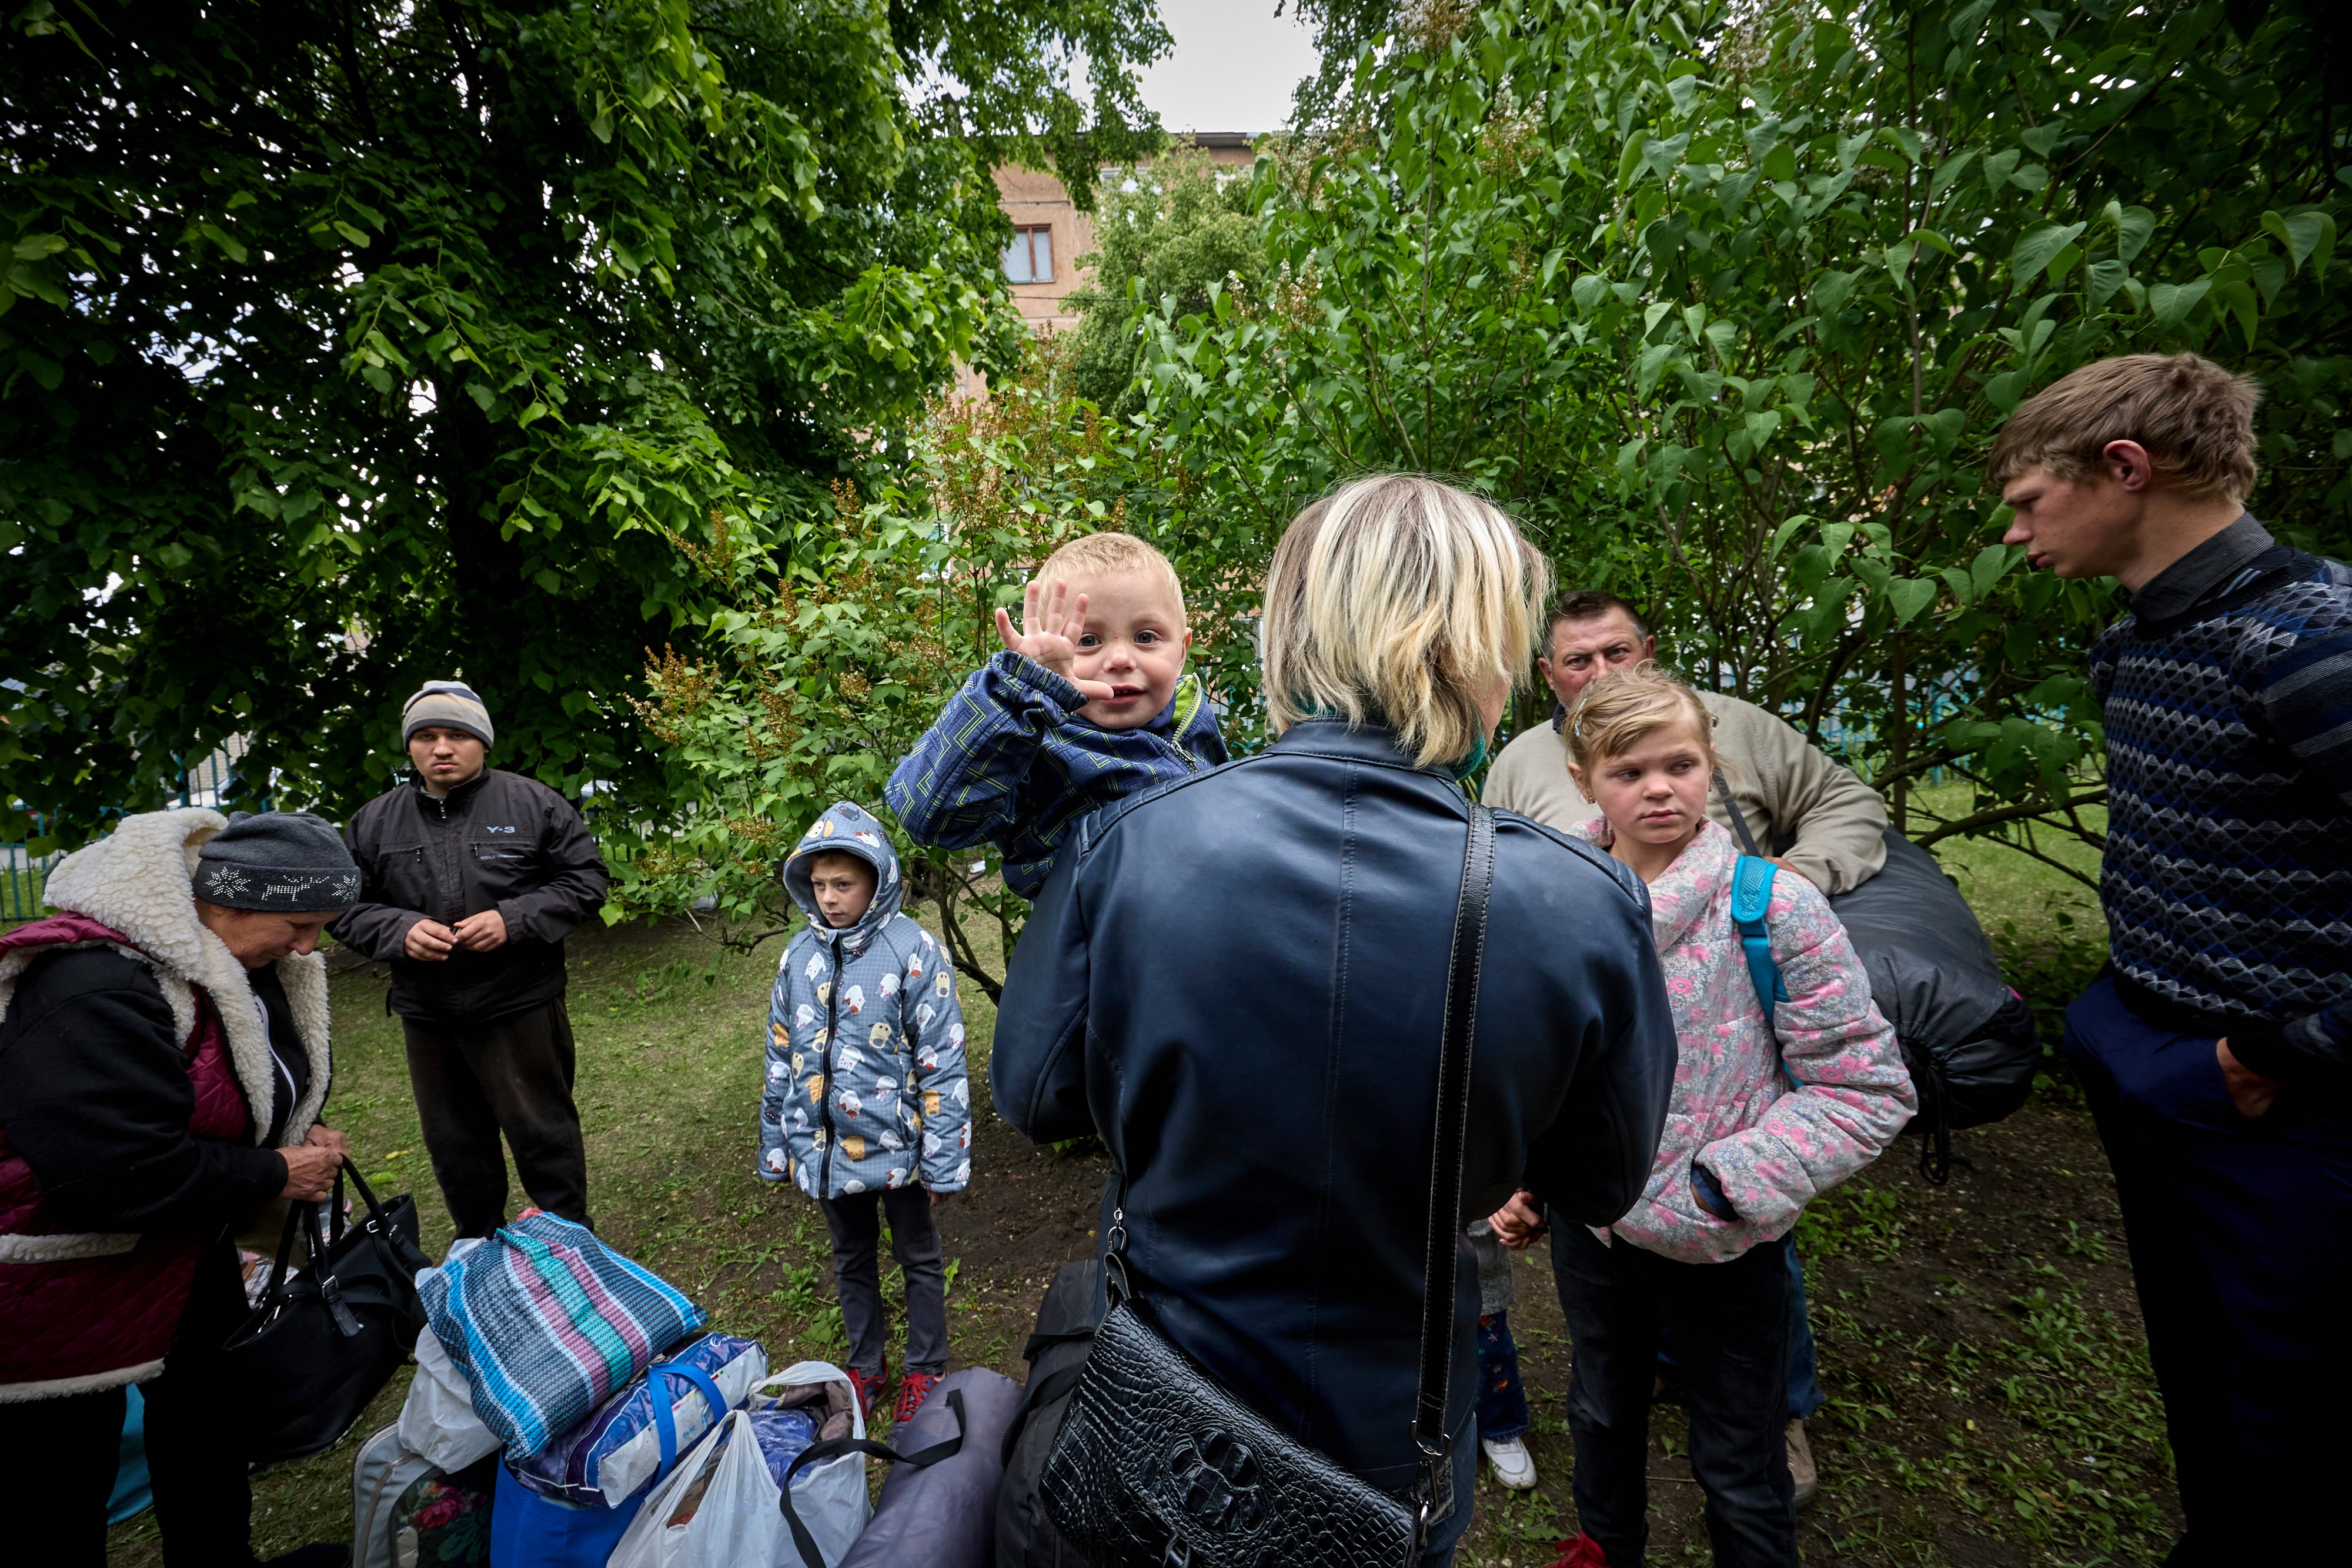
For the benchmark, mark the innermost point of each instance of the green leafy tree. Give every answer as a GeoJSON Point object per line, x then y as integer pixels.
{"type": "Point", "coordinates": [812, 689]}
{"type": "Point", "coordinates": [1726, 303]}
{"type": "Point", "coordinates": [351, 343]}
{"type": "Point", "coordinates": [1166, 235]}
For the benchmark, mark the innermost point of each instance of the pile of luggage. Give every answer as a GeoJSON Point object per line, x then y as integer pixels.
{"type": "Point", "coordinates": [570, 1410]}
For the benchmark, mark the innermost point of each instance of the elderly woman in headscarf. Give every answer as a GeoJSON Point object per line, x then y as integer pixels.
{"type": "Point", "coordinates": [163, 1063]}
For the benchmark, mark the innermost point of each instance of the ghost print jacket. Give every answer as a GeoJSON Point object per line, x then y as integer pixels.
{"type": "Point", "coordinates": [1775, 1137]}
{"type": "Point", "coordinates": [865, 1086]}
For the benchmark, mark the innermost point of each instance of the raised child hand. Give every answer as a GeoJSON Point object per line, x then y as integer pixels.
{"type": "Point", "coordinates": [1050, 628]}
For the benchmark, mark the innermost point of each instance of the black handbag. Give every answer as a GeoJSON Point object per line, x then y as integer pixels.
{"type": "Point", "coordinates": [324, 1340]}
{"type": "Point", "coordinates": [1157, 1463]}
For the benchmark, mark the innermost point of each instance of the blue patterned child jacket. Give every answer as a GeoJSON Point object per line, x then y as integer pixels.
{"type": "Point", "coordinates": [1011, 763]}
{"type": "Point", "coordinates": [865, 1083]}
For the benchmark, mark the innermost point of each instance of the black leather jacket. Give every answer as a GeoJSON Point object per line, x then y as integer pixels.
{"type": "Point", "coordinates": [1238, 980]}
{"type": "Point", "coordinates": [499, 841]}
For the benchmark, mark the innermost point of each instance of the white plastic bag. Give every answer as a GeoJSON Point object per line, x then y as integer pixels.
{"type": "Point", "coordinates": [438, 1420]}
{"type": "Point", "coordinates": [740, 1522]}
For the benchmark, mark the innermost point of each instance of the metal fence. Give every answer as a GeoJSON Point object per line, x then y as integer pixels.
{"type": "Point", "coordinates": [23, 875]}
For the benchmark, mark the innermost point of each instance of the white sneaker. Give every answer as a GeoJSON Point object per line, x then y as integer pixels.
{"type": "Point", "coordinates": [1513, 1466]}
{"type": "Point", "coordinates": [1802, 1469]}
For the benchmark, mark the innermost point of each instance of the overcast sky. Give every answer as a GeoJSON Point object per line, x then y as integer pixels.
{"type": "Point", "coordinates": [1234, 66]}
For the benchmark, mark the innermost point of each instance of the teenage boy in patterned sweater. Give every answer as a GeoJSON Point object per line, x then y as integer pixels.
{"type": "Point", "coordinates": [1088, 702]}
{"type": "Point", "coordinates": [2214, 1047]}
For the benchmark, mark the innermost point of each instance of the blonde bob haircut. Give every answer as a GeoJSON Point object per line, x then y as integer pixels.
{"type": "Point", "coordinates": [1396, 599]}
{"type": "Point", "coordinates": [1618, 711]}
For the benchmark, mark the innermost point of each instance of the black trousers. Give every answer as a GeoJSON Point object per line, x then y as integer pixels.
{"type": "Point", "coordinates": [510, 1075]}
{"type": "Point", "coordinates": [2240, 1238]}
{"type": "Point", "coordinates": [57, 1456]}
{"type": "Point", "coordinates": [856, 1227]}
{"type": "Point", "coordinates": [1730, 1324]}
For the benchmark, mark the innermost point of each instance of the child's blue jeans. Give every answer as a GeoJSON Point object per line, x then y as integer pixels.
{"type": "Point", "coordinates": [1805, 1395]}
{"type": "Point", "coordinates": [1502, 1401]}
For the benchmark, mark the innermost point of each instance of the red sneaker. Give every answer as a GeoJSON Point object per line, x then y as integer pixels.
{"type": "Point", "coordinates": [1581, 1553]}
{"type": "Point", "coordinates": [913, 1389]}
{"type": "Point", "coordinates": [870, 1387]}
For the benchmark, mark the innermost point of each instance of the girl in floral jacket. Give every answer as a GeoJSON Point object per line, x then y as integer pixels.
{"type": "Point", "coordinates": [1769, 1111]}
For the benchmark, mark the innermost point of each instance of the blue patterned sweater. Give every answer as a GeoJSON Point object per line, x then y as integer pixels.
{"type": "Point", "coordinates": [2227, 875]}
{"type": "Point", "coordinates": [1011, 763]}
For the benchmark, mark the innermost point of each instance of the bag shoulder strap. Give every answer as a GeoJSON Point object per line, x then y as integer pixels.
{"type": "Point", "coordinates": [1751, 900]}
{"type": "Point", "coordinates": [665, 1423]}
{"type": "Point", "coordinates": [832, 1447]}
{"type": "Point", "coordinates": [1739, 831]}
{"type": "Point", "coordinates": [1442, 1255]}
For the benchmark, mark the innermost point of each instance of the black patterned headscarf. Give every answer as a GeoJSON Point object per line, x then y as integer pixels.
{"type": "Point", "coordinates": [289, 863]}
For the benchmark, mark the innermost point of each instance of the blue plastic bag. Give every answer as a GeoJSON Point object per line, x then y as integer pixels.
{"type": "Point", "coordinates": [528, 1531]}
{"type": "Point", "coordinates": [133, 1494]}
{"type": "Point", "coordinates": [783, 1435]}
{"type": "Point", "coordinates": [615, 1452]}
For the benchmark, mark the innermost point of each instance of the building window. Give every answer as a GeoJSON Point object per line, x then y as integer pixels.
{"type": "Point", "coordinates": [1030, 257]}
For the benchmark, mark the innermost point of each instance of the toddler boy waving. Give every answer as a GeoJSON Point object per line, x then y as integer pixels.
{"type": "Point", "coordinates": [1089, 701]}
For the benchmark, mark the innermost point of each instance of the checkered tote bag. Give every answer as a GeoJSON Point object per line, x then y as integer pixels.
{"type": "Point", "coordinates": [545, 1321]}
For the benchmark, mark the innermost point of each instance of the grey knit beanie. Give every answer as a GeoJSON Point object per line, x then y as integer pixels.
{"type": "Point", "coordinates": [451, 704]}
{"type": "Point", "coordinates": [289, 863]}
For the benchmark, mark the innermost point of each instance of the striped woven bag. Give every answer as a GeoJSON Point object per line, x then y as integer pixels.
{"type": "Point", "coordinates": [545, 1321]}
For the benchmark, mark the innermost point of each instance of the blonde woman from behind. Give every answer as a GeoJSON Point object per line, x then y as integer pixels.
{"type": "Point", "coordinates": [1238, 980]}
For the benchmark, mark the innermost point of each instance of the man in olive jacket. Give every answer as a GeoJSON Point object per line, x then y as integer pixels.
{"type": "Point", "coordinates": [472, 878]}
{"type": "Point", "coordinates": [1813, 816]}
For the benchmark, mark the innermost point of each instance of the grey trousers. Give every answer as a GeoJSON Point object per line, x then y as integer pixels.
{"type": "Point", "coordinates": [855, 1223]}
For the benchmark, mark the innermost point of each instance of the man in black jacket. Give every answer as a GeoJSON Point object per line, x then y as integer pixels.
{"type": "Point", "coordinates": [473, 878]}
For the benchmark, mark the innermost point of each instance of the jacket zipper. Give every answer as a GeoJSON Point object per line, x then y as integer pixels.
{"type": "Point", "coordinates": [824, 1097]}
{"type": "Point", "coordinates": [1183, 720]}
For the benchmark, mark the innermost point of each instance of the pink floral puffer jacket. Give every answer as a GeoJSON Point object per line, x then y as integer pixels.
{"type": "Point", "coordinates": [1773, 1145]}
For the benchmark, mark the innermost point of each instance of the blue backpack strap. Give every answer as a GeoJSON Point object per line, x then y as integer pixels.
{"type": "Point", "coordinates": [665, 1426]}
{"type": "Point", "coordinates": [1751, 897]}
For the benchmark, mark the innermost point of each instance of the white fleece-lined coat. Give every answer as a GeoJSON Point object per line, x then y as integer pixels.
{"type": "Point", "coordinates": [81, 1310]}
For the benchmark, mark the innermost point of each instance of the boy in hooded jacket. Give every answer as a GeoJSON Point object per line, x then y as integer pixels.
{"type": "Point", "coordinates": [866, 1108]}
